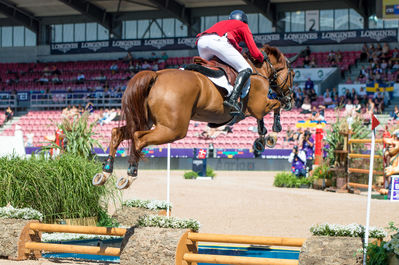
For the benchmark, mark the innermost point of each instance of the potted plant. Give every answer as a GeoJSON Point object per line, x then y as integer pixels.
{"type": "Point", "coordinates": [392, 246]}
{"type": "Point", "coordinates": [322, 176]}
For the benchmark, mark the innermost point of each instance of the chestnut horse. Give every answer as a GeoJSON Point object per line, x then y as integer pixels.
{"type": "Point", "coordinates": [158, 107]}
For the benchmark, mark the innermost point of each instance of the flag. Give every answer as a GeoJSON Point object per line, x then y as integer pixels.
{"type": "Point", "coordinates": [374, 122]}
{"type": "Point", "coordinates": [373, 87]}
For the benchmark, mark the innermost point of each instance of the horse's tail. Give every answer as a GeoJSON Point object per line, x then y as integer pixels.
{"type": "Point", "coordinates": [134, 107]}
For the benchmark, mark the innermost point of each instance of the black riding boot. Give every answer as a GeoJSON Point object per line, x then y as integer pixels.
{"type": "Point", "coordinates": [232, 102]}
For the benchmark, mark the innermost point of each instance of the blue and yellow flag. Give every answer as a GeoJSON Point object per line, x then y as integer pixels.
{"type": "Point", "coordinates": [373, 87]}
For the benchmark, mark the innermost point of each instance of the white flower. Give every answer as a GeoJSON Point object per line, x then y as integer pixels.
{"type": "Point", "coordinates": [24, 213]}
{"type": "Point", "coordinates": [148, 204]}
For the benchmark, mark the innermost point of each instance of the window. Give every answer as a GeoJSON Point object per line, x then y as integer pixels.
{"type": "Point", "coordinates": [155, 31]}
{"type": "Point", "coordinates": [102, 33]}
{"type": "Point", "coordinates": [30, 38]}
{"type": "Point", "coordinates": [375, 23]}
{"type": "Point", "coordinates": [355, 20]}
{"type": "Point", "coordinates": [57, 33]}
{"type": "Point", "coordinates": [67, 33]}
{"type": "Point", "coordinates": [18, 36]}
{"type": "Point", "coordinates": [210, 21]}
{"type": "Point", "coordinates": [326, 20]}
{"type": "Point", "coordinates": [180, 29]}
{"type": "Point", "coordinates": [253, 23]}
{"type": "Point", "coordinates": [391, 23]}
{"type": "Point", "coordinates": [6, 37]}
{"type": "Point", "coordinates": [80, 32]}
{"type": "Point", "coordinates": [287, 22]}
{"type": "Point", "coordinates": [265, 26]}
{"type": "Point", "coordinates": [130, 29]}
{"type": "Point", "coordinates": [341, 19]}
{"type": "Point", "coordinates": [143, 31]}
{"type": "Point", "coordinates": [91, 31]}
{"type": "Point", "coordinates": [168, 26]}
{"type": "Point", "coordinates": [298, 21]}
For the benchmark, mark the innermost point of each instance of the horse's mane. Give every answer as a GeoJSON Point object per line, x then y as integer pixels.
{"type": "Point", "coordinates": [280, 59]}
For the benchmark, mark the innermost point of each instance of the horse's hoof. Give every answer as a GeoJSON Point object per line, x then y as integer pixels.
{"type": "Point", "coordinates": [125, 182]}
{"type": "Point", "coordinates": [100, 178]}
{"type": "Point", "coordinates": [270, 141]}
{"type": "Point", "coordinates": [259, 145]}
{"type": "Point", "coordinates": [277, 128]}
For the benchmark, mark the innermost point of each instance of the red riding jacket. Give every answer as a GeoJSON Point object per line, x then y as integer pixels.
{"type": "Point", "coordinates": [237, 31]}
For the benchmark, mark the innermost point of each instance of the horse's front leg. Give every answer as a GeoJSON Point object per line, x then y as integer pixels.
{"type": "Point", "coordinates": [276, 122]}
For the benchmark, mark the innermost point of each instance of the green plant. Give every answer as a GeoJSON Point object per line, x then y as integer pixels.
{"type": "Point", "coordinates": [210, 172]}
{"type": "Point", "coordinates": [335, 140]}
{"type": "Point", "coordinates": [59, 188]}
{"type": "Point", "coordinates": [79, 134]}
{"type": "Point", "coordinates": [148, 204]}
{"type": "Point", "coordinates": [289, 180]}
{"type": "Point", "coordinates": [377, 255]}
{"type": "Point", "coordinates": [105, 220]}
{"type": "Point", "coordinates": [322, 171]}
{"type": "Point", "coordinates": [190, 175]}
{"type": "Point", "coordinates": [352, 230]}
{"type": "Point", "coordinates": [168, 222]}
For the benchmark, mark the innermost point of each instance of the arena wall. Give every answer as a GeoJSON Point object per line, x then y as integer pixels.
{"type": "Point", "coordinates": [233, 164]}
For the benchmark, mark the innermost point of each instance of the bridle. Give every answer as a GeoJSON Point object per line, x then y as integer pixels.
{"type": "Point", "coordinates": [284, 98]}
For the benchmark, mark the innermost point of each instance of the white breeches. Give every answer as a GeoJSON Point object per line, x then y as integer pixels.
{"type": "Point", "coordinates": [214, 45]}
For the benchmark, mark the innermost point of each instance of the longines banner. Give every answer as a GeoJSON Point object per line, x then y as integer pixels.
{"type": "Point", "coordinates": [274, 39]}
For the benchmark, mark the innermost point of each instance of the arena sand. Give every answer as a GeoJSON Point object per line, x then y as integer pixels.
{"type": "Point", "coordinates": [243, 202]}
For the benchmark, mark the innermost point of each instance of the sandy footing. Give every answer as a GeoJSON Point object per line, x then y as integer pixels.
{"type": "Point", "coordinates": [246, 203]}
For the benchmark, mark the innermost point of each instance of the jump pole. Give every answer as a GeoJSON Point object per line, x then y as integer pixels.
{"type": "Point", "coordinates": [168, 183]}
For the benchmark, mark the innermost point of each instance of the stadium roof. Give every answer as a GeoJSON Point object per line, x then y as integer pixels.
{"type": "Point", "coordinates": [32, 13]}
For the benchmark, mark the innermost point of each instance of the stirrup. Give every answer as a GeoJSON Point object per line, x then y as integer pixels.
{"type": "Point", "coordinates": [236, 109]}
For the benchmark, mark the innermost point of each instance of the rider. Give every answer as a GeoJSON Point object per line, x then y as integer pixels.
{"type": "Point", "coordinates": [222, 40]}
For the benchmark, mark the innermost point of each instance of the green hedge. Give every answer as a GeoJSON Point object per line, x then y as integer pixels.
{"type": "Point", "coordinates": [59, 188]}
{"type": "Point", "coordinates": [289, 180]}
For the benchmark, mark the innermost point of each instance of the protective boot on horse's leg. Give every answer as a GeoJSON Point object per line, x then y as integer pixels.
{"type": "Point", "coordinates": [232, 102]}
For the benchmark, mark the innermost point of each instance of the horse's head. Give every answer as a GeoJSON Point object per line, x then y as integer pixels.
{"type": "Point", "coordinates": [281, 75]}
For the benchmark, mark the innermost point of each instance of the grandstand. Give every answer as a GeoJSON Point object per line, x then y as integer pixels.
{"type": "Point", "coordinates": [57, 53]}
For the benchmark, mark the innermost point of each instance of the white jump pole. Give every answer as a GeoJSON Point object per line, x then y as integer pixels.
{"type": "Point", "coordinates": [168, 182]}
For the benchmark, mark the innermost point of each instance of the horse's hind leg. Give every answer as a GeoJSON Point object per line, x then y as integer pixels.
{"type": "Point", "coordinates": [159, 135]}
{"type": "Point", "coordinates": [118, 134]}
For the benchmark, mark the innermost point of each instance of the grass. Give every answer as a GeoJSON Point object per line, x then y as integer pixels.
{"type": "Point", "coordinates": [59, 188]}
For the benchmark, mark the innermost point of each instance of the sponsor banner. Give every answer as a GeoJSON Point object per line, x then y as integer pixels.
{"type": "Point", "coordinates": [315, 74]}
{"type": "Point", "coordinates": [274, 39]}
{"type": "Point", "coordinates": [390, 9]}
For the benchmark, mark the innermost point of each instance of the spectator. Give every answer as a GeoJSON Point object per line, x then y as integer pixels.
{"type": "Point", "coordinates": [348, 95]}
{"type": "Point", "coordinates": [89, 107]}
{"type": "Point", "coordinates": [385, 50]}
{"type": "Point", "coordinates": [104, 116]}
{"type": "Point", "coordinates": [353, 93]}
{"type": "Point", "coordinates": [349, 108]}
{"type": "Point", "coordinates": [56, 80]}
{"type": "Point", "coordinates": [43, 80]}
{"type": "Point", "coordinates": [395, 114]}
{"type": "Point", "coordinates": [80, 78]}
{"type": "Point", "coordinates": [327, 93]}
{"type": "Point", "coordinates": [331, 57]}
{"type": "Point", "coordinates": [164, 58]}
{"type": "Point", "coordinates": [299, 98]}
{"type": "Point", "coordinates": [114, 68]}
{"type": "Point", "coordinates": [297, 135]}
{"type": "Point", "coordinates": [306, 106]}
{"type": "Point", "coordinates": [306, 62]}
{"type": "Point", "coordinates": [395, 67]}
{"type": "Point", "coordinates": [307, 51]}
{"type": "Point", "coordinates": [290, 134]}
{"type": "Point", "coordinates": [298, 161]}
{"type": "Point", "coordinates": [146, 66]}
{"type": "Point", "coordinates": [308, 147]}
{"type": "Point", "coordinates": [327, 100]}
{"type": "Point", "coordinates": [309, 85]}
{"type": "Point", "coordinates": [334, 92]}
{"type": "Point", "coordinates": [363, 54]}
{"type": "Point", "coordinates": [313, 63]}
{"type": "Point", "coordinates": [312, 95]}
{"type": "Point", "coordinates": [9, 114]}
{"type": "Point", "coordinates": [128, 58]}
{"type": "Point", "coordinates": [65, 112]}
{"type": "Point", "coordinates": [338, 56]}
{"type": "Point", "coordinates": [349, 80]}
{"type": "Point", "coordinates": [387, 97]}
{"type": "Point", "coordinates": [154, 57]}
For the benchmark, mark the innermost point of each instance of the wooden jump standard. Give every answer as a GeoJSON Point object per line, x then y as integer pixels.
{"type": "Point", "coordinates": [187, 249]}
{"type": "Point", "coordinates": [36, 228]}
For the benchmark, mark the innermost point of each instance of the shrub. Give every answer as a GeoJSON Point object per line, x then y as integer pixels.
{"type": "Point", "coordinates": [210, 172]}
{"type": "Point", "coordinates": [322, 171]}
{"type": "Point", "coordinates": [352, 230]}
{"type": "Point", "coordinates": [58, 188]}
{"type": "Point", "coordinates": [148, 204]}
{"type": "Point", "coordinates": [376, 255]}
{"type": "Point", "coordinates": [289, 180]}
{"type": "Point", "coordinates": [190, 175]}
{"type": "Point", "coordinates": [168, 222]}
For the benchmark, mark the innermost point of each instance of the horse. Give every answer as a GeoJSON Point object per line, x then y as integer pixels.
{"type": "Point", "coordinates": [158, 107]}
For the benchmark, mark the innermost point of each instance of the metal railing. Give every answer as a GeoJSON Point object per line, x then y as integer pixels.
{"type": "Point", "coordinates": [62, 100]}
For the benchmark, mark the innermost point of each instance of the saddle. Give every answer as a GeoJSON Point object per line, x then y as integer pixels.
{"type": "Point", "coordinates": [213, 68]}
